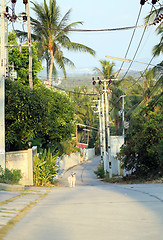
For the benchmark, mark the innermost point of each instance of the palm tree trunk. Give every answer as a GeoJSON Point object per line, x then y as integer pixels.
{"type": "Point", "coordinates": [47, 69]}
{"type": "Point", "coordinates": [88, 137]}
{"type": "Point", "coordinates": [51, 67]}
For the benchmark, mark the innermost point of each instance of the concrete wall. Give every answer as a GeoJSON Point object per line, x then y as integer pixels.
{"type": "Point", "coordinates": [68, 161]}
{"type": "Point", "coordinates": [90, 153]}
{"type": "Point", "coordinates": [116, 143]}
{"type": "Point", "coordinates": [22, 160]}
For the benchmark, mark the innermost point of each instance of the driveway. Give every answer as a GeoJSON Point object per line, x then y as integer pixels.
{"type": "Point", "coordinates": [94, 211]}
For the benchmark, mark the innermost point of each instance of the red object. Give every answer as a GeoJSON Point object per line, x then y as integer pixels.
{"type": "Point", "coordinates": [82, 145]}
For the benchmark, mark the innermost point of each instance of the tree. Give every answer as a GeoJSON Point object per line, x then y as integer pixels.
{"type": "Point", "coordinates": [107, 69]}
{"type": "Point", "coordinates": [149, 88]}
{"type": "Point", "coordinates": [142, 152]}
{"type": "Point", "coordinates": [42, 114]}
{"type": "Point", "coordinates": [52, 31]}
{"type": "Point", "coordinates": [158, 48]}
{"type": "Point", "coordinates": [84, 115]}
{"type": "Point", "coordinates": [21, 60]}
{"type": "Point", "coordinates": [107, 72]}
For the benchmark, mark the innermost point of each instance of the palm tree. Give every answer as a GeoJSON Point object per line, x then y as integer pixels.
{"type": "Point", "coordinates": [107, 72]}
{"type": "Point", "coordinates": [52, 31]}
{"type": "Point", "coordinates": [158, 48]}
{"type": "Point", "coordinates": [107, 69]}
{"type": "Point", "coordinates": [149, 88]}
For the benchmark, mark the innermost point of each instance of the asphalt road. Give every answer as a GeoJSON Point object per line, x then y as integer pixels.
{"type": "Point", "coordinates": [94, 210]}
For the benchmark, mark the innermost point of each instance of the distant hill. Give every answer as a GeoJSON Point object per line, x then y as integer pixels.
{"type": "Point", "coordinates": [79, 79]}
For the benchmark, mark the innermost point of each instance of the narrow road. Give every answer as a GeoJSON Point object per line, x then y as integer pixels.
{"type": "Point", "coordinates": [94, 211]}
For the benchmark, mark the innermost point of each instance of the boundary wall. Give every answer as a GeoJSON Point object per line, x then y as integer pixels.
{"type": "Point", "coordinates": [22, 160]}
{"type": "Point", "coordinates": [68, 161]}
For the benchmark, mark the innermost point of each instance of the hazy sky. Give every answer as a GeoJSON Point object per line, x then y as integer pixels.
{"type": "Point", "coordinates": [102, 14]}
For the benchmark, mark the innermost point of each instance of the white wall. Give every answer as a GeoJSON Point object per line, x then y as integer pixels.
{"type": "Point", "coordinates": [22, 160]}
{"type": "Point", "coordinates": [68, 161]}
{"type": "Point", "coordinates": [116, 143]}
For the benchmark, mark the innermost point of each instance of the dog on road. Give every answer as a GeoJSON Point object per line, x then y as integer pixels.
{"type": "Point", "coordinates": [72, 180]}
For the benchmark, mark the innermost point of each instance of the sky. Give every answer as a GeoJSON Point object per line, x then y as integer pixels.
{"type": "Point", "coordinates": [103, 14]}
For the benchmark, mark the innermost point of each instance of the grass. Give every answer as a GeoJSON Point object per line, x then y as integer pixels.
{"type": "Point", "coordinates": [131, 180]}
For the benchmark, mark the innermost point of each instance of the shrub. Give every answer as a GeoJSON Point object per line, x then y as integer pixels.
{"type": "Point", "coordinates": [12, 176]}
{"type": "Point", "coordinates": [45, 168]}
{"type": "Point", "coordinates": [100, 171]}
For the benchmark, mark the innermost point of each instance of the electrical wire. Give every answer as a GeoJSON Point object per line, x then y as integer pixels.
{"type": "Point", "coordinates": [130, 41]}
{"type": "Point", "coordinates": [137, 47]}
{"type": "Point", "coordinates": [95, 30]}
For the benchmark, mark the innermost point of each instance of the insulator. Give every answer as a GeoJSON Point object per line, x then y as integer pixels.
{"type": "Point", "coordinates": [24, 18]}
{"type": "Point", "coordinates": [142, 2]}
{"type": "Point", "coordinates": [100, 82]}
{"type": "Point", "coordinates": [13, 1]}
{"type": "Point", "coordinates": [25, 1]}
{"type": "Point", "coordinates": [7, 9]}
{"type": "Point", "coordinates": [154, 1]}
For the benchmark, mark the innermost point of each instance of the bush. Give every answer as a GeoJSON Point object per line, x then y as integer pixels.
{"type": "Point", "coordinates": [68, 147]}
{"type": "Point", "coordinates": [45, 168]}
{"type": "Point", "coordinates": [143, 150]}
{"type": "Point", "coordinates": [10, 176]}
{"type": "Point", "coordinates": [100, 171]}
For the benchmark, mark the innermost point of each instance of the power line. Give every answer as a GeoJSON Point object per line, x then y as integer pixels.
{"type": "Point", "coordinates": [94, 30]}
{"type": "Point", "coordinates": [137, 47]}
{"type": "Point", "coordinates": [130, 41]}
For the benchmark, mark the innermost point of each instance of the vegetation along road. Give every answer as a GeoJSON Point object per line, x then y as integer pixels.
{"type": "Point", "coordinates": [94, 210]}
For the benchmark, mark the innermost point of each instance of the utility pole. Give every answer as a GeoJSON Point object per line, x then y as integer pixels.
{"type": "Point", "coordinates": [29, 44]}
{"type": "Point", "coordinates": [3, 64]}
{"type": "Point", "coordinates": [100, 128]}
{"type": "Point", "coordinates": [108, 132]}
{"type": "Point", "coordinates": [103, 135]}
{"type": "Point", "coordinates": [123, 118]}
{"type": "Point", "coordinates": [99, 111]}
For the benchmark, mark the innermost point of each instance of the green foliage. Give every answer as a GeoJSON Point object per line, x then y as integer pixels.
{"type": "Point", "coordinates": [10, 176]}
{"type": "Point", "coordinates": [68, 147]}
{"type": "Point", "coordinates": [142, 152]}
{"type": "Point", "coordinates": [21, 60]}
{"type": "Point", "coordinates": [100, 171]}
{"type": "Point", "coordinates": [42, 114]}
{"type": "Point", "coordinates": [45, 168]}
{"type": "Point", "coordinates": [53, 40]}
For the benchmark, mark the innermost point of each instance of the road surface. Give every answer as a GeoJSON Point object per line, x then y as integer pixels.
{"type": "Point", "coordinates": [94, 210]}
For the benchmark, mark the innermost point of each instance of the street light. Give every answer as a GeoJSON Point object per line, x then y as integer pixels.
{"type": "Point", "coordinates": [129, 60]}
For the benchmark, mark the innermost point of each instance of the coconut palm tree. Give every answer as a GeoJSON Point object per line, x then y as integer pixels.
{"type": "Point", "coordinates": [107, 72]}
{"type": "Point", "coordinates": [52, 31]}
{"type": "Point", "coordinates": [149, 88]}
{"type": "Point", "coordinates": [158, 48]}
{"type": "Point", "coordinates": [107, 69]}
